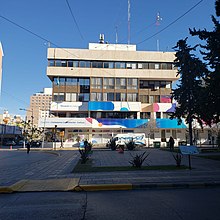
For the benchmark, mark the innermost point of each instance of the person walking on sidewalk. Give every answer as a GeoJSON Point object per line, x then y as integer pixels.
{"type": "Point", "coordinates": [171, 143]}
{"type": "Point", "coordinates": [28, 145]}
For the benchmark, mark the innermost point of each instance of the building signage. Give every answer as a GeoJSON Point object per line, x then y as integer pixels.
{"type": "Point", "coordinates": [69, 106]}
{"type": "Point", "coordinates": [188, 150]}
{"type": "Point", "coordinates": [115, 106]}
{"type": "Point", "coordinates": [66, 122]}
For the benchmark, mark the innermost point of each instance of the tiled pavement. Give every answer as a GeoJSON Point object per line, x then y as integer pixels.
{"type": "Point", "coordinates": [17, 165]}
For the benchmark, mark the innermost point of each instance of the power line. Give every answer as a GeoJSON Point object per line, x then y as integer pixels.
{"type": "Point", "coordinates": [74, 19]}
{"type": "Point", "coordinates": [36, 35]}
{"type": "Point", "coordinates": [163, 29]}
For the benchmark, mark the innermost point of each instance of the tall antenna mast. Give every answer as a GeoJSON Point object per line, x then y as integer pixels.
{"type": "Point", "coordinates": [116, 34]}
{"type": "Point", "coordinates": [158, 19]}
{"type": "Point", "coordinates": [129, 21]}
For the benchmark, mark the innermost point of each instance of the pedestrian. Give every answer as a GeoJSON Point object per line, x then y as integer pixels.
{"type": "Point", "coordinates": [86, 143]}
{"type": "Point", "coordinates": [171, 143]}
{"type": "Point", "coordinates": [28, 147]}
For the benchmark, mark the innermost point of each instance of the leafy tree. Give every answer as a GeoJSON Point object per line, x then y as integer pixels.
{"type": "Point", "coordinates": [187, 94]}
{"type": "Point", "coordinates": [31, 133]}
{"type": "Point", "coordinates": [211, 55]}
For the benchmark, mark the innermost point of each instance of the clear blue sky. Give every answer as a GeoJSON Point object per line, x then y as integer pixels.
{"type": "Point", "coordinates": [25, 58]}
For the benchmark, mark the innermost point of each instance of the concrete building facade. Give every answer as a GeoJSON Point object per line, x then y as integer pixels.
{"type": "Point", "coordinates": [39, 106]}
{"type": "Point", "coordinates": [110, 89]}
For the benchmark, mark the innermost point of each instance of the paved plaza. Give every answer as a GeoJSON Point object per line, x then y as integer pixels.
{"type": "Point", "coordinates": [19, 169]}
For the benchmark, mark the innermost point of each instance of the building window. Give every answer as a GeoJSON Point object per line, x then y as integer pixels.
{"type": "Point", "coordinates": [144, 84]}
{"type": "Point", "coordinates": [158, 114]}
{"type": "Point", "coordinates": [58, 97]}
{"type": "Point", "coordinates": [84, 81]}
{"type": "Point", "coordinates": [59, 81]}
{"type": "Point", "coordinates": [120, 97]}
{"type": "Point", "coordinates": [71, 81]}
{"type": "Point", "coordinates": [96, 96]}
{"type": "Point", "coordinates": [131, 65]}
{"type": "Point", "coordinates": [145, 65]}
{"type": "Point", "coordinates": [131, 97]}
{"type": "Point", "coordinates": [151, 65]}
{"type": "Point", "coordinates": [157, 66]}
{"type": "Point", "coordinates": [132, 83]}
{"type": "Point", "coordinates": [144, 98]}
{"type": "Point", "coordinates": [96, 83]}
{"type": "Point", "coordinates": [109, 83]}
{"type": "Point", "coordinates": [145, 115]}
{"type": "Point", "coordinates": [71, 97]}
{"type": "Point", "coordinates": [151, 99]}
{"type": "Point", "coordinates": [84, 97]}
{"type": "Point", "coordinates": [120, 83]}
{"type": "Point", "coordinates": [119, 65]}
{"type": "Point", "coordinates": [108, 96]}
{"type": "Point", "coordinates": [109, 65]}
{"type": "Point", "coordinates": [140, 66]}
{"type": "Point", "coordinates": [97, 64]}
{"type": "Point", "coordinates": [157, 98]}
{"type": "Point", "coordinates": [51, 62]}
{"type": "Point", "coordinates": [84, 64]}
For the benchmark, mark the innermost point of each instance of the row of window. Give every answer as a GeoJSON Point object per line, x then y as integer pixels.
{"type": "Point", "coordinates": [111, 83]}
{"type": "Point", "coordinates": [97, 96]}
{"type": "Point", "coordinates": [110, 65]}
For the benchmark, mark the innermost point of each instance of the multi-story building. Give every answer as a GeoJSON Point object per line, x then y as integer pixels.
{"type": "Point", "coordinates": [112, 88]}
{"type": "Point", "coordinates": [39, 106]}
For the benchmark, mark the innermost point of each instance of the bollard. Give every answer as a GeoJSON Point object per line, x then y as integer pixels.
{"type": "Point", "coordinates": [11, 147]}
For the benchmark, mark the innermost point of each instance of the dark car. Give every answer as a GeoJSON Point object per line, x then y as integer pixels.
{"type": "Point", "coordinates": [35, 143]}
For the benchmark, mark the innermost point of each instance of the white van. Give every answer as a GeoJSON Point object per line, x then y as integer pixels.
{"type": "Point", "coordinates": [138, 138]}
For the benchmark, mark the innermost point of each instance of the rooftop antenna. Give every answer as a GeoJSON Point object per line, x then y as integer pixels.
{"type": "Point", "coordinates": [116, 34]}
{"type": "Point", "coordinates": [101, 38]}
{"type": "Point", "coordinates": [158, 19]}
{"type": "Point", "coordinates": [129, 21]}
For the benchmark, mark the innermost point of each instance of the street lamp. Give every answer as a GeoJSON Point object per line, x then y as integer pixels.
{"type": "Point", "coordinates": [32, 119]}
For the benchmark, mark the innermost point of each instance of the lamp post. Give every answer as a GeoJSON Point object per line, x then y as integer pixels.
{"type": "Point", "coordinates": [32, 119]}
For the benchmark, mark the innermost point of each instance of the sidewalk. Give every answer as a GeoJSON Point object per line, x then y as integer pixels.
{"type": "Point", "coordinates": [57, 169]}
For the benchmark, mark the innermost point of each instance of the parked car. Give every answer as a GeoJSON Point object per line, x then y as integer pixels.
{"type": "Point", "coordinates": [10, 143]}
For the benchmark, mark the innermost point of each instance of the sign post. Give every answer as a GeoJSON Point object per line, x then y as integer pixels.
{"type": "Point", "coordinates": [189, 150]}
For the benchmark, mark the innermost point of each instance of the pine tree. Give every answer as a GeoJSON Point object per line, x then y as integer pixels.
{"type": "Point", "coordinates": [187, 93]}
{"type": "Point", "coordinates": [211, 55]}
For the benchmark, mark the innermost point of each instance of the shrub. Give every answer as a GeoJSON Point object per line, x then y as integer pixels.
{"type": "Point", "coordinates": [178, 158]}
{"type": "Point", "coordinates": [138, 159]}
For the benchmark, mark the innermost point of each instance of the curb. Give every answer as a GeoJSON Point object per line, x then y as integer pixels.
{"type": "Point", "coordinates": [102, 187]}
{"type": "Point", "coordinates": [5, 189]}
{"type": "Point", "coordinates": [192, 185]}
{"type": "Point", "coordinates": [111, 187]}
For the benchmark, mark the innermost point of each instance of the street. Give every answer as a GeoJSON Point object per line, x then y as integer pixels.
{"type": "Point", "coordinates": [172, 204]}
